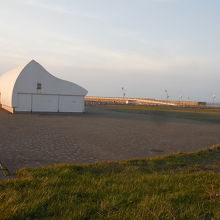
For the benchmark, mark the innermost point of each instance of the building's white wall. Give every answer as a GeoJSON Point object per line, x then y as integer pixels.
{"type": "Point", "coordinates": [18, 89]}
{"type": "Point", "coordinates": [45, 103]}
{"type": "Point", "coordinates": [7, 82]}
{"type": "Point", "coordinates": [34, 73]}
{"type": "Point", "coordinates": [49, 103]}
{"type": "Point", "coordinates": [24, 103]}
{"type": "Point", "coordinates": [71, 104]}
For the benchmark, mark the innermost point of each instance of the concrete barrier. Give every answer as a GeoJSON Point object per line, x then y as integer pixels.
{"type": "Point", "coordinates": [139, 101]}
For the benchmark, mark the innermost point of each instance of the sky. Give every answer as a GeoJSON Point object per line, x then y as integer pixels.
{"type": "Point", "coordinates": [145, 46]}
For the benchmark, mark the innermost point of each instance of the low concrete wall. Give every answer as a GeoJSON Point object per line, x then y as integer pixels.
{"type": "Point", "coordinates": [139, 101]}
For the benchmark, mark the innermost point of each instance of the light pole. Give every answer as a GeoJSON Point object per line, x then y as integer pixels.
{"type": "Point", "coordinates": [123, 92]}
{"type": "Point", "coordinates": [180, 99]}
{"type": "Point", "coordinates": [166, 92]}
{"type": "Point", "coordinates": [213, 98]}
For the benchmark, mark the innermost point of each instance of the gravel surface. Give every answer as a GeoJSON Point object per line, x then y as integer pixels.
{"type": "Point", "coordinates": [98, 135]}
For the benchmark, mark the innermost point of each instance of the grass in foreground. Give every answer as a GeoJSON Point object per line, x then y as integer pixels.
{"type": "Point", "coordinates": [200, 114]}
{"type": "Point", "coordinates": [180, 186]}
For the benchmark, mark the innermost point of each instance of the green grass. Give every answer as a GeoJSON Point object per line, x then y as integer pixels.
{"type": "Point", "coordinates": [4, 171]}
{"type": "Point", "coordinates": [179, 186]}
{"type": "Point", "coordinates": [200, 114]}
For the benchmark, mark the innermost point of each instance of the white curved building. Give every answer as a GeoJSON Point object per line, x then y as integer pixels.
{"type": "Point", "coordinates": [30, 88]}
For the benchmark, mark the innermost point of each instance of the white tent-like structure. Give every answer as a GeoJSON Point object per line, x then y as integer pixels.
{"type": "Point", "coordinates": [30, 88]}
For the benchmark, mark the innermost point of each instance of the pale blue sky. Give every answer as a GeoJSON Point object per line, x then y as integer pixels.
{"type": "Point", "coordinates": [146, 46]}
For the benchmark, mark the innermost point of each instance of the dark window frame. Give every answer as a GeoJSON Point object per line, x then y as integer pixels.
{"type": "Point", "coordinates": [39, 86]}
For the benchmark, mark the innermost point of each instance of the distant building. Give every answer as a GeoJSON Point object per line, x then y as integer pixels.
{"type": "Point", "coordinates": [30, 88]}
{"type": "Point", "coordinates": [202, 103]}
{"type": "Point", "coordinates": [129, 102]}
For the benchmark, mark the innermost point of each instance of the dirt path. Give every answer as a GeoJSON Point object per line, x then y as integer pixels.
{"type": "Point", "coordinates": [98, 135]}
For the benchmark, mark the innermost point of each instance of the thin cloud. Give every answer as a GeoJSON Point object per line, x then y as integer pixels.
{"type": "Point", "coordinates": [48, 5]}
{"type": "Point", "coordinates": [165, 1]}
{"type": "Point", "coordinates": [76, 53]}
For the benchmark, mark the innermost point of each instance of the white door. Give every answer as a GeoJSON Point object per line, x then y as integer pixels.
{"type": "Point", "coordinates": [24, 103]}
{"type": "Point", "coordinates": [45, 103]}
{"type": "Point", "coordinates": [71, 104]}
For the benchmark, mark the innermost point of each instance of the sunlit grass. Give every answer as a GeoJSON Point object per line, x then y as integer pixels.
{"type": "Point", "coordinates": [179, 186]}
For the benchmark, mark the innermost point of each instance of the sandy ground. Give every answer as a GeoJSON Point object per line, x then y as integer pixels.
{"type": "Point", "coordinates": [97, 135]}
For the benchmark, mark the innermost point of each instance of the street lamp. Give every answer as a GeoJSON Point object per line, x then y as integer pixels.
{"type": "Point", "coordinates": [213, 98]}
{"type": "Point", "coordinates": [123, 92]}
{"type": "Point", "coordinates": [167, 95]}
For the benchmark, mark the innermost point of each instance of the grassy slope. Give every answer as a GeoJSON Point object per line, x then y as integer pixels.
{"type": "Point", "coordinates": [201, 114]}
{"type": "Point", "coordinates": [180, 186]}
